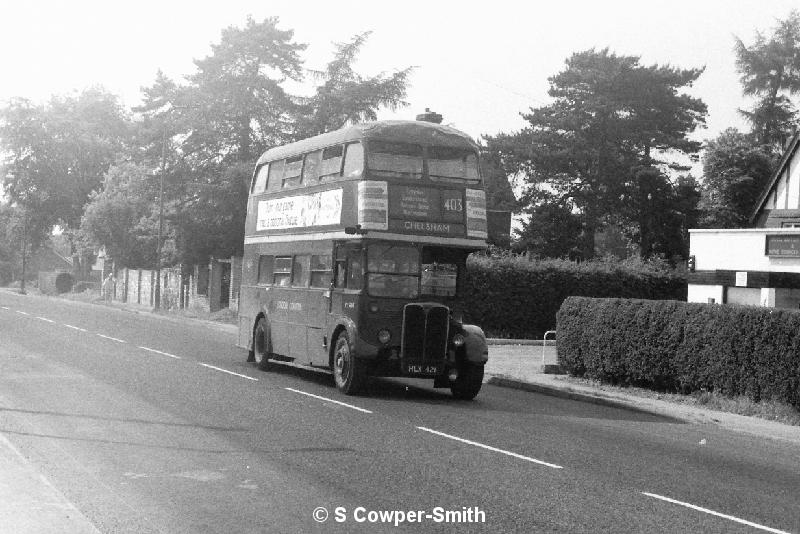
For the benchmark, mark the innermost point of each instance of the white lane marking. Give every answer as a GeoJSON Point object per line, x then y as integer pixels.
{"type": "Point", "coordinates": [226, 371]}
{"type": "Point", "coordinates": [5, 307]}
{"type": "Point", "coordinates": [22, 312]}
{"type": "Point", "coordinates": [712, 512]}
{"type": "Point", "coordinates": [75, 327]}
{"type": "Point", "coordinates": [490, 448]}
{"type": "Point", "coordinates": [112, 338]}
{"type": "Point", "coordinates": [45, 319]}
{"type": "Point", "coordinates": [159, 352]}
{"type": "Point", "coordinates": [329, 400]}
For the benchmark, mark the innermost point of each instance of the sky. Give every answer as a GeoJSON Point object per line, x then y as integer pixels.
{"type": "Point", "coordinates": [479, 64]}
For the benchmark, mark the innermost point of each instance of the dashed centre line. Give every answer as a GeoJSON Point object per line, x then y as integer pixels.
{"type": "Point", "coordinates": [326, 399]}
{"type": "Point", "coordinates": [490, 448]}
{"type": "Point", "coordinates": [159, 352]}
{"type": "Point", "coordinates": [23, 312]}
{"type": "Point", "coordinates": [75, 327]}
{"type": "Point", "coordinates": [112, 338]}
{"type": "Point", "coordinates": [5, 307]}
{"type": "Point", "coordinates": [45, 319]}
{"type": "Point", "coordinates": [717, 514]}
{"type": "Point", "coordinates": [226, 371]}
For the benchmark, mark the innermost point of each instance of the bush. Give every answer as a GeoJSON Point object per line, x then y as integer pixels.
{"type": "Point", "coordinates": [518, 297]}
{"type": "Point", "coordinates": [685, 347]}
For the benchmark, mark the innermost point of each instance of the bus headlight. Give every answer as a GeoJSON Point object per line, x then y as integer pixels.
{"type": "Point", "coordinates": [374, 308]}
{"type": "Point", "coordinates": [384, 336]}
{"type": "Point", "coordinates": [458, 340]}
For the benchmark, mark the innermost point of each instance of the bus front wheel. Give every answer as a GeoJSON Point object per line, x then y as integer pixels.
{"type": "Point", "coordinates": [468, 383]}
{"type": "Point", "coordinates": [261, 349]}
{"type": "Point", "coordinates": [349, 374]}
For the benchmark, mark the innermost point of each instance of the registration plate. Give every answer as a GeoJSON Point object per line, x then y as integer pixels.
{"type": "Point", "coordinates": [422, 369]}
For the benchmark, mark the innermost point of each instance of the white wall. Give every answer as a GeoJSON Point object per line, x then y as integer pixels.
{"type": "Point", "coordinates": [739, 250]}
{"type": "Point", "coordinates": [701, 293]}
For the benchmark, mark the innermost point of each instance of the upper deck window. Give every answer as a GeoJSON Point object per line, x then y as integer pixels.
{"type": "Point", "coordinates": [292, 171]}
{"type": "Point", "coordinates": [395, 159]}
{"type": "Point", "coordinates": [452, 164]}
{"type": "Point", "coordinates": [275, 181]}
{"type": "Point", "coordinates": [353, 160]}
{"type": "Point", "coordinates": [260, 182]}
{"type": "Point", "coordinates": [311, 167]}
{"type": "Point", "coordinates": [331, 162]}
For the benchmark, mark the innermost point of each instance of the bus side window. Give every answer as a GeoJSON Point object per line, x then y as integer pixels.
{"type": "Point", "coordinates": [275, 180]}
{"type": "Point", "coordinates": [311, 167]}
{"type": "Point", "coordinates": [353, 160]}
{"type": "Point", "coordinates": [341, 274]}
{"type": "Point", "coordinates": [331, 162]}
{"type": "Point", "coordinates": [292, 171]}
{"type": "Point", "coordinates": [355, 270]}
{"type": "Point", "coordinates": [260, 181]}
{"type": "Point", "coordinates": [282, 273]}
{"type": "Point", "coordinates": [265, 269]}
{"type": "Point", "coordinates": [301, 271]}
{"type": "Point", "coordinates": [321, 271]}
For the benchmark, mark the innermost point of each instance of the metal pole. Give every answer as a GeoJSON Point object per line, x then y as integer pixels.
{"type": "Point", "coordinates": [160, 216]}
{"type": "Point", "coordinates": [24, 246]}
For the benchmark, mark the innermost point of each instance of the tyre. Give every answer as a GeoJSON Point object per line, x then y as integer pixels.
{"type": "Point", "coordinates": [261, 344]}
{"type": "Point", "coordinates": [468, 383]}
{"type": "Point", "coordinates": [349, 373]}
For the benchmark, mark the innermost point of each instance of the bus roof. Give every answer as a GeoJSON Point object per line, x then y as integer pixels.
{"type": "Point", "coordinates": [425, 133]}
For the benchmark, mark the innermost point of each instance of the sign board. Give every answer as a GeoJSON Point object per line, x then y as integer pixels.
{"type": "Point", "coordinates": [300, 211]}
{"type": "Point", "coordinates": [741, 278]}
{"type": "Point", "coordinates": [783, 246]}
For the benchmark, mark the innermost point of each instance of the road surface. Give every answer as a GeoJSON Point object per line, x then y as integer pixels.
{"type": "Point", "coordinates": [149, 425]}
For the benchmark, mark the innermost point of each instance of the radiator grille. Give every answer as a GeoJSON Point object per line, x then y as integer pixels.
{"type": "Point", "coordinates": [425, 329]}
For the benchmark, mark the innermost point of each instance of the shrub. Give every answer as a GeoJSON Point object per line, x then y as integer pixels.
{"type": "Point", "coordinates": [685, 347]}
{"type": "Point", "coordinates": [518, 296]}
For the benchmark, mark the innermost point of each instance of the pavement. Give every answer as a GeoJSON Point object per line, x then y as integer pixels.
{"type": "Point", "coordinates": [29, 503]}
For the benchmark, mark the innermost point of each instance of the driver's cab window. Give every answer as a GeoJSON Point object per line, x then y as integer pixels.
{"type": "Point", "coordinates": [349, 268]}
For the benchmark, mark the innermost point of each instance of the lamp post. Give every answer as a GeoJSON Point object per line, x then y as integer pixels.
{"type": "Point", "coordinates": [24, 246]}
{"type": "Point", "coordinates": [160, 216]}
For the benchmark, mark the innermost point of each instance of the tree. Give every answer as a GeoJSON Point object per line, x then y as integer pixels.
{"type": "Point", "coordinates": [552, 231]}
{"type": "Point", "coordinates": [736, 170]}
{"type": "Point", "coordinates": [662, 213]}
{"type": "Point", "coordinates": [770, 71]}
{"type": "Point", "coordinates": [212, 129]}
{"type": "Point", "coordinates": [57, 154]}
{"type": "Point", "coordinates": [345, 96]}
{"type": "Point", "coordinates": [123, 217]}
{"type": "Point", "coordinates": [610, 115]}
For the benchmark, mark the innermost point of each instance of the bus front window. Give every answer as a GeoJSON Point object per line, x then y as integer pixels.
{"type": "Point", "coordinates": [395, 159]}
{"type": "Point", "coordinates": [393, 271]}
{"type": "Point", "coordinates": [452, 164]}
{"type": "Point", "coordinates": [439, 279]}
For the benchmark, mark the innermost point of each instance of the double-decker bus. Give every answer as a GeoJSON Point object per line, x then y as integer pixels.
{"type": "Point", "coordinates": [355, 251]}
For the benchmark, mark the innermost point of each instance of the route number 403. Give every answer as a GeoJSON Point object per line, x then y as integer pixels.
{"type": "Point", "coordinates": [453, 204]}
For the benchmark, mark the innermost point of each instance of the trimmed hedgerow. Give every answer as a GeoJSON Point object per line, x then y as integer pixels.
{"type": "Point", "coordinates": [518, 297]}
{"type": "Point", "coordinates": [685, 347]}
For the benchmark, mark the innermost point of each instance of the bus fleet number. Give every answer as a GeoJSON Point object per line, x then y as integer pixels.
{"type": "Point", "coordinates": [453, 204]}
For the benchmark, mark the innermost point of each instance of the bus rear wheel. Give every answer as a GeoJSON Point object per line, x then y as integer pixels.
{"type": "Point", "coordinates": [349, 373]}
{"type": "Point", "coordinates": [468, 383]}
{"type": "Point", "coordinates": [261, 347]}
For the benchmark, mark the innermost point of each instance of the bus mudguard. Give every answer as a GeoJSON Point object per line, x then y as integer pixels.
{"type": "Point", "coordinates": [475, 346]}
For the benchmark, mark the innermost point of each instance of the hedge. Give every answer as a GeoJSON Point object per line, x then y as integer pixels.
{"type": "Point", "coordinates": [518, 297]}
{"type": "Point", "coordinates": [685, 347]}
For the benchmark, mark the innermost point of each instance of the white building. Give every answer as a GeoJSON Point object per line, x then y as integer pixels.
{"type": "Point", "coordinates": [760, 265]}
